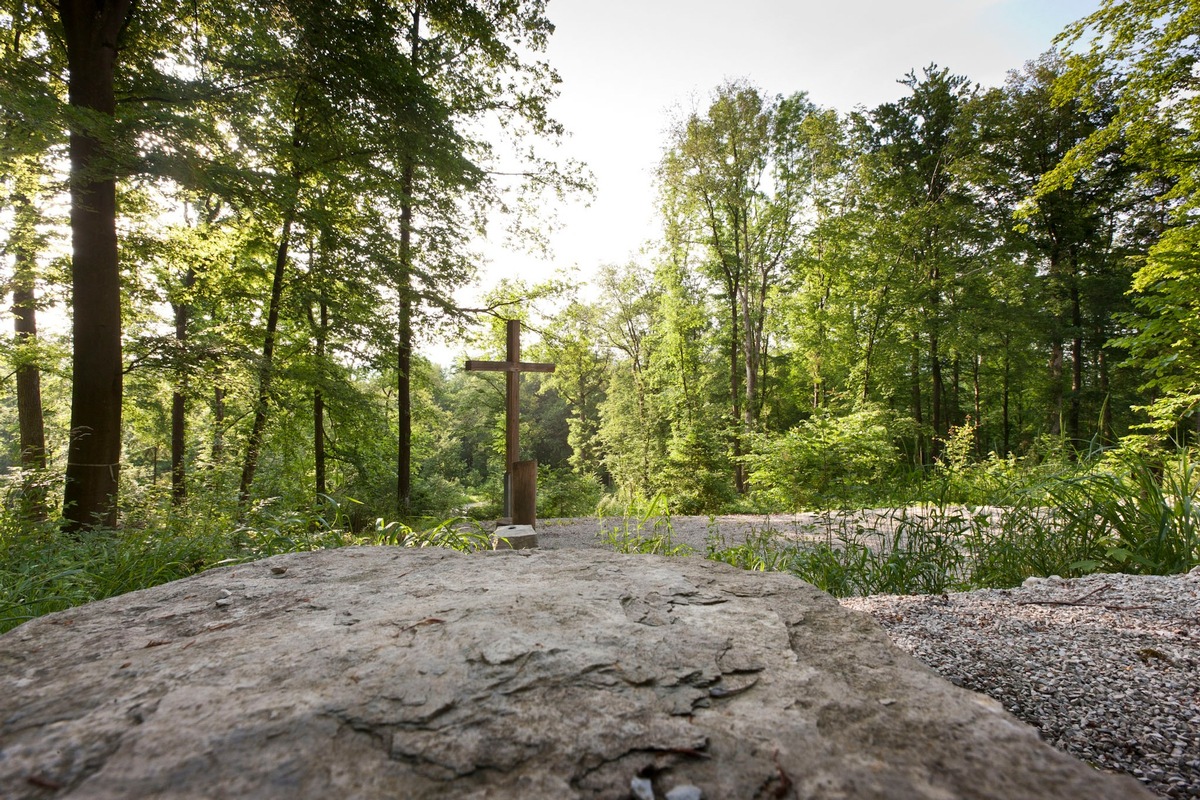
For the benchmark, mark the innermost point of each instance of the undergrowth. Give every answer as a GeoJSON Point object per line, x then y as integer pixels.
{"type": "Point", "coordinates": [1121, 513]}
{"type": "Point", "coordinates": [43, 569]}
{"type": "Point", "coordinates": [985, 525]}
{"type": "Point", "coordinates": [646, 529]}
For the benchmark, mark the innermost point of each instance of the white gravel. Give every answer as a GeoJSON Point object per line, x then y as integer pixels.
{"type": "Point", "coordinates": [1107, 667]}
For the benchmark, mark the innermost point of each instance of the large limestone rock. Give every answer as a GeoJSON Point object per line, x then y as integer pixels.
{"type": "Point", "coordinates": [393, 673]}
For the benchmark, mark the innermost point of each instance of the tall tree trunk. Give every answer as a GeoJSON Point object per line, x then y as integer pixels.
{"type": "Point", "coordinates": [404, 354]}
{"type": "Point", "coordinates": [266, 365]}
{"type": "Point", "coordinates": [404, 347]}
{"type": "Point", "coordinates": [1004, 400]}
{"type": "Point", "coordinates": [739, 476]}
{"type": "Point", "coordinates": [954, 410]}
{"type": "Point", "coordinates": [936, 410]}
{"type": "Point", "coordinates": [977, 395]}
{"type": "Point", "coordinates": [319, 402]}
{"type": "Point", "coordinates": [1106, 420]}
{"type": "Point", "coordinates": [918, 417]}
{"type": "Point", "coordinates": [28, 373]}
{"type": "Point", "coordinates": [1056, 388]}
{"type": "Point", "coordinates": [179, 399]}
{"type": "Point", "coordinates": [218, 440]}
{"type": "Point", "coordinates": [1073, 417]}
{"type": "Point", "coordinates": [750, 355]}
{"type": "Point", "coordinates": [937, 417]}
{"type": "Point", "coordinates": [91, 31]}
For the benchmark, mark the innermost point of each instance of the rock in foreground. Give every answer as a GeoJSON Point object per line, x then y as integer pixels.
{"type": "Point", "coordinates": [384, 673]}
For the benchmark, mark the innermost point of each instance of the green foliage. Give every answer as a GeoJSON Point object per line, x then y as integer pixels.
{"type": "Point", "coordinates": [1125, 512]}
{"type": "Point", "coordinates": [1143, 56]}
{"type": "Point", "coordinates": [825, 460]}
{"type": "Point", "coordinates": [762, 551]}
{"type": "Point", "coordinates": [647, 530]}
{"type": "Point", "coordinates": [563, 492]}
{"type": "Point", "coordinates": [44, 570]}
{"type": "Point", "coordinates": [1130, 512]}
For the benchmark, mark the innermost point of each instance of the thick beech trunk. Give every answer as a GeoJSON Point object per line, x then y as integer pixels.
{"type": "Point", "coordinates": [91, 30]}
{"type": "Point", "coordinates": [404, 347]}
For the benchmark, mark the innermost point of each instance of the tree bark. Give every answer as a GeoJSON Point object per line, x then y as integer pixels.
{"type": "Point", "coordinates": [1073, 415]}
{"type": "Point", "coordinates": [179, 399]}
{"type": "Point", "coordinates": [404, 347]}
{"type": "Point", "coordinates": [91, 31]}
{"type": "Point", "coordinates": [739, 477]}
{"type": "Point", "coordinates": [404, 353]}
{"type": "Point", "coordinates": [266, 366]}
{"type": "Point", "coordinates": [217, 454]}
{"type": "Point", "coordinates": [978, 397]}
{"type": "Point", "coordinates": [1056, 391]}
{"type": "Point", "coordinates": [320, 486]}
{"type": "Point", "coordinates": [918, 417]}
{"type": "Point", "coordinates": [937, 416]}
{"type": "Point", "coordinates": [1004, 399]}
{"type": "Point", "coordinates": [29, 378]}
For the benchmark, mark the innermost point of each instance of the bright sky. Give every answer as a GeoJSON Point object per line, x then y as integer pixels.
{"type": "Point", "coordinates": [627, 65]}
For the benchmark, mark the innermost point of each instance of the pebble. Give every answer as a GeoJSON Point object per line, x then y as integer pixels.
{"type": "Point", "coordinates": [1106, 667]}
{"type": "Point", "coordinates": [641, 789]}
{"type": "Point", "coordinates": [685, 792]}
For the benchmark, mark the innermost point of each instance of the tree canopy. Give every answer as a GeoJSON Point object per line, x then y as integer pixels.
{"type": "Point", "coordinates": [254, 215]}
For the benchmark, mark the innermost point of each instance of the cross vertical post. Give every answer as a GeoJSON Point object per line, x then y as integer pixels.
{"type": "Point", "coordinates": [512, 366]}
{"type": "Point", "coordinates": [512, 405]}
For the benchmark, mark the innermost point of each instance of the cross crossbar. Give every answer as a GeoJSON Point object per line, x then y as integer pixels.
{"type": "Point", "coordinates": [508, 366]}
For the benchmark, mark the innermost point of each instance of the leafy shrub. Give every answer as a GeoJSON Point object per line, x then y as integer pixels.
{"type": "Point", "coordinates": [565, 493]}
{"type": "Point", "coordinates": [1131, 511]}
{"type": "Point", "coordinates": [696, 475]}
{"type": "Point", "coordinates": [823, 461]}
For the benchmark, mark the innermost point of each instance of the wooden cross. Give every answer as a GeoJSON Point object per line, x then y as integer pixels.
{"type": "Point", "coordinates": [512, 367]}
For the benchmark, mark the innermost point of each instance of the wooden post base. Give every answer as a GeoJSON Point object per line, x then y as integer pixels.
{"type": "Point", "coordinates": [524, 493]}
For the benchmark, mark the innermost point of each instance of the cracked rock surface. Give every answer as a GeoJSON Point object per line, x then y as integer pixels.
{"type": "Point", "coordinates": [391, 672]}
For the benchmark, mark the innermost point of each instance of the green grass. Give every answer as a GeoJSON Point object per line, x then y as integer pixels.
{"type": "Point", "coordinates": [1121, 513]}
{"type": "Point", "coordinates": [44, 570]}
{"type": "Point", "coordinates": [647, 530]}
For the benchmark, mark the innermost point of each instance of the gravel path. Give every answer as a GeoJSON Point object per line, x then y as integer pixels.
{"type": "Point", "coordinates": [1107, 667]}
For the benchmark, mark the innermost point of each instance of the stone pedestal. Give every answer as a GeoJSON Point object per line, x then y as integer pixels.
{"type": "Point", "coordinates": [519, 537]}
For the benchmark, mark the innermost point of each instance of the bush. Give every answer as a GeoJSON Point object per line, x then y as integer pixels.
{"type": "Point", "coordinates": [824, 461]}
{"type": "Point", "coordinates": [565, 493]}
